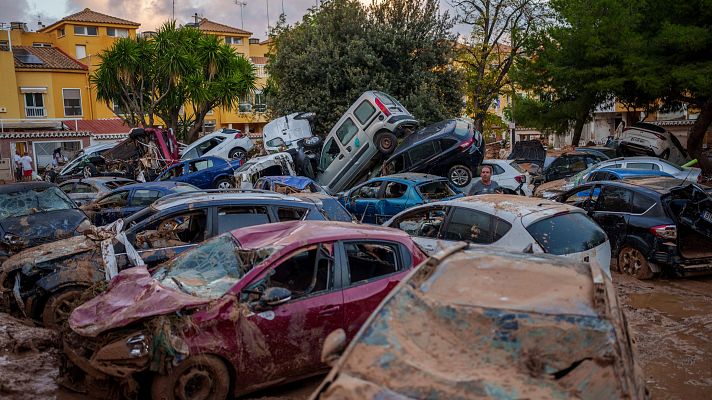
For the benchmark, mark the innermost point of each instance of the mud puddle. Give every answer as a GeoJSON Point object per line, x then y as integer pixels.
{"type": "Point", "coordinates": [671, 321]}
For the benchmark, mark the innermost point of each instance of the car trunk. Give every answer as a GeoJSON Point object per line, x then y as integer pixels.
{"type": "Point", "coordinates": [691, 209]}
{"type": "Point", "coordinates": [529, 151]}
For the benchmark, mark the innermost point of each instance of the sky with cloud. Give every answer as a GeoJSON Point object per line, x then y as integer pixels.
{"type": "Point", "coordinates": [152, 13]}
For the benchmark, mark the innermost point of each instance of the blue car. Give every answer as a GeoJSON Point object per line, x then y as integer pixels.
{"type": "Point", "coordinates": [204, 172]}
{"type": "Point", "coordinates": [289, 184]}
{"type": "Point", "coordinates": [129, 199]}
{"type": "Point", "coordinates": [616, 174]}
{"type": "Point", "coordinates": [377, 200]}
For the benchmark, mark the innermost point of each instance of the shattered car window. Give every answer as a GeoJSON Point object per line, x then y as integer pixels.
{"type": "Point", "coordinates": [436, 190]}
{"type": "Point", "coordinates": [17, 204]}
{"type": "Point", "coordinates": [211, 269]}
{"type": "Point", "coordinates": [567, 233]}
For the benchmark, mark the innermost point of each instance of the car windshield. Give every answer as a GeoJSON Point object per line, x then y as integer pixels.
{"type": "Point", "coordinates": [677, 167]}
{"type": "Point", "coordinates": [245, 166]}
{"type": "Point", "coordinates": [567, 233]}
{"type": "Point", "coordinates": [436, 190]}
{"type": "Point", "coordinates": [26, 202]}
{"type": "Point", "coordinates": [579, 177]}
{"type": "Point", "coordinates": [183, 188]}
{"type": "Point", "coordinates": [211, 269]}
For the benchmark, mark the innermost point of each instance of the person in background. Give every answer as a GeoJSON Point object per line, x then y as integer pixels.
{"type": "Point", "coordinates": [17, 160]}
{"type": "Point", "coordinates": [27, 169]}
{"type": "Point", "coordinates": [485, 185]}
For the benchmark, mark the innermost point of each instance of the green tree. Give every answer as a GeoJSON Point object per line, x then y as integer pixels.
{"type": "Point", "coordinates": [179, 67]}
{"type": "Point", "coordinates": [341, 49]}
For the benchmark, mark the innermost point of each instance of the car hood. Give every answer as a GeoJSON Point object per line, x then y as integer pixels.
{"type": "Point", "coordinates": [132, 295]}
{"type": "Point", "coordinates": [48, 252]}
{"type": "Point", "coordinates": [44, 227]}
{"type": "Point", "coordinates": [557, 185]}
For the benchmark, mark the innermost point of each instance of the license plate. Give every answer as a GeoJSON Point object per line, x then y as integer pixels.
{"type": "Point", "coordinates": [707, 216]}
{"type": "Point", "coordinates": [637, 139]}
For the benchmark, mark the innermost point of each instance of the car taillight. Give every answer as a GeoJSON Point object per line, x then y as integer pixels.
{"type": "Point", "coordinates": [467, 143]}
{"type": "Point", "coordinates": [699, 178]}
{"type": "Point", "coordinates": [520, 178]}
{"type": "Point", "coordinates": [659, 135]}
{"type": "Point", "coordinates": [664, 231]}
{"type": "Point", "coordinates": [383, 107]}
{"type": "Point", "coordinates": [239, 135]}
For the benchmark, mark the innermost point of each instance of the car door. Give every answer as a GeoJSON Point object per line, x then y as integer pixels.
{"type": "Point", "coordinates": [83, 193]}
{"type": "Point", "coordinates": [611, 212]}
{"type": "Point", "coordinates": [200, 173]}
{"type": "Point", "coordinates": [230, 217]}
{"type": "Point", "coordinates": [173, 173]}
{"type": "Point", "coordinates": [140, 199]}
{"type": "Point", "coordinates": [363, 199]}
{"type": "Point", "coordinates": [424, 225]}
{"type": "Point", "coordinates": [423, 157]}
{"type": "Point", "coordinates": [110, 208]}
{"type": "Point", "coordinates": [286, 340]}
{"type": "Point", "coordinates": [373, 269]}
{"type": "Point", "coordinates": [474, 226]}
{"type": "Point", "coordinates": [397, 196]}
{"type": "Point", "coordinates": [557, 169]}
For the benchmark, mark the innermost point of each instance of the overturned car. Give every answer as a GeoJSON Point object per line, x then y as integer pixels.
{"type": "Point", "coordinates": [480, 323]}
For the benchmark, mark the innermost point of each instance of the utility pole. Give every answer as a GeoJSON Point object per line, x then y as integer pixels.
{"type": "Point", "coordinates": [174, 11]}
{"type": "Point", "coordinates": [267, 3]}
{"type": "Point", "coordinates": [242, 5]}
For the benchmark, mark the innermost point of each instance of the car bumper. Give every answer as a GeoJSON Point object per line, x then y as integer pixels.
{"type": "Point", "coordinates": [639, 149]}
{"type": "Point", "coordinates": [669, 258]}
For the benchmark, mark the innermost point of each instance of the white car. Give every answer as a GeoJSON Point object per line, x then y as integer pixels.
{"type": "Point", "coordinates": [652, 140]}
{"type": "Point", "coordinates": [508, 174]}
{"type": "Point", "coordinates": [286, 131]}
{"type": "Point", "coordinates": [278, 164]}
{"type": "Point", "coordinates": [225, 143]}
{"type": "Point", "coordinates": [512, 222]}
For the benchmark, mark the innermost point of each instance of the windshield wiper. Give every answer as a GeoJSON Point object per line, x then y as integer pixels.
{"type": "Point", "coordinates": [181, 286]}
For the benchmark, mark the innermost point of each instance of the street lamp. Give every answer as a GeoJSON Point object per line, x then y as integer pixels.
{"type": "Point", "coordinates": [242, 5]}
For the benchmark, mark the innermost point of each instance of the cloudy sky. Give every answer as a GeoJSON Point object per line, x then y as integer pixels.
{"type": "Point", "coordinates": [151, 13]}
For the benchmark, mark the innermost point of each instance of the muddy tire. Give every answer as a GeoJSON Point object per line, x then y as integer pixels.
{"type": "Point", "coordinates": [224, 184]}
{"type": "Point", "coordinates": [200, 377]}
{"type": "Point", "coordinates": [459, 175]}
{"type": "Point", "coordinates": [632, 261]}
{"type": "Point", "coordinates": [238, 153]}
{"type": "Point", "coordinates": [59, 306]}
{"type": "Point", "coordinates": [386, 142]}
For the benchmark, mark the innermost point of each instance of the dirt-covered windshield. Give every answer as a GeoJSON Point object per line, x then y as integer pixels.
{"type": "Point", "coordinates": [18, 204]}
{"type": "Point", "coordinates": [436, 190]}
{"type": "Point", "coordinates": [211, 269]}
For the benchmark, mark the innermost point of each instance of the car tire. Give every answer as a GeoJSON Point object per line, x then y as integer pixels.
{"type": "Point", "coordinates": [632, 261]}
{"type": "Point", "coordinates": [201, 376]}
{"type": "Point", "coordinates": [238, 153]}
{"type": "Point", "coordinates": [386, 142]}
{"type": "Point", "coordinates": [59, 306]}
{"type": "Point", "coordinates": [665, 154]}
{"type": "Point", "coordinates": [459, 175]}
{"type": "Point", "coordinates": [224, 184]}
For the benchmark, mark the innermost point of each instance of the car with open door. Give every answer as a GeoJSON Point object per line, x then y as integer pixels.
{"type": "Point", "coordinates": [287, 131]}
{"type": "Point", "coordinates": [655, 225]}
{"type": "Point", "coordinates": [226, 143]}
{"type": "Point", "coordinates": [245, 310]}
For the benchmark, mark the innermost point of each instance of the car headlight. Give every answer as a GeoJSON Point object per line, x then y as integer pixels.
{"type": "Point", "coordinates": [137, 345]}
{"type": "Point", "coordinates": [13, 240]}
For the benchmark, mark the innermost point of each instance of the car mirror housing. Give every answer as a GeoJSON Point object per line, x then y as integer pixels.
{"type": "Point", "coordinates": [275, 296]}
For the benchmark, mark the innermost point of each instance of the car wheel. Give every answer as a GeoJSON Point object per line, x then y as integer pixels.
{"type": "Point", "coordinates": [198, 377]}
{"type": "Point", "coordinates": [459, 175]}
{"type": "Point", "coordinates": [59, 306]}
{"type": "Point", "coordinates": [632, 261]}
{"type": "Point", "coordinates": [237, 153]}
{"type": "Point", "coordinates": [224, 183]}
{"type": "Point", "coordinates": [386, 142]}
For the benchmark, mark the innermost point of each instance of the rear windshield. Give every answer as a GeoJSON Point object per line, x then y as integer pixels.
{"type": "Point", "coordinates": [677, 167]}
{"type": "Point", "coordinates": [116, 184]}
{"type": "Point", "coordinates": [26, 202]}
{"type": "Point", "coordinates": [567, 233]}
{"type": "Point", "coordinates": [334, 211]}
{"type": "Point", "coordinates": [183, 188]}
{"type": "Point", "coordinates": [517, 167]}
{"type": "Point", "coordinates": [435, 190]}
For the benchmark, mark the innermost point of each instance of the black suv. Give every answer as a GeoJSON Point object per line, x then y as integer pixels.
{"type": "Point", "coordinates": [452, 148]}
{"type": "Point", "coordinates": [570, 164]}
{"type": "Point", "coordinates": [654, 224]}
{"type": "Point", "coordinates": [52, 277]}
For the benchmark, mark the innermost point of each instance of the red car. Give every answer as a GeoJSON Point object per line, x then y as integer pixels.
{"type": "Point", "coordinates": [245, 310]}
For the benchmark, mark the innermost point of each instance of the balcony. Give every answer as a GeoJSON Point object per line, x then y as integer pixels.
{"type": "Point", "coordinates": [35, 112]}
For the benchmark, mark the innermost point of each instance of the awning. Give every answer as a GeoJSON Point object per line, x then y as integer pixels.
{"type": "Point", "coordinates": [29, 89]}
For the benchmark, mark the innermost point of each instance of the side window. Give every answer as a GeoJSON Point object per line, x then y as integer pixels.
{"type": "Point", "coordinates": [425, 222]}
{"type": "Point", "coordinates": [641, 203]}
{"type": "Point", "coordinates": [230, 218]}
{"type": "Point", "coordinates": [367, 191]}
{"type": "Point", "coordinates": [347, 131]}
{"type": "Point", "coordinates": [577, 164]}
{"type": "Point", "coordinates": [370, 260]}
{"type": "Point", "coordinates": [397, 164]}
{"type": "Point", "coordinates": [423, 151]}
{"type": "Point", "coordinates": [208, 145]}
{"type": "Point", "coordinates": [172, 173]}
{"type": "Point", "coordinates": [144, 197]}
{"type": "Point", "coordinates": [395, 190]}
{"type": "Point", "coordinates": [196, 166]}
{"type": "Point", "coordinates": [447, 143]}
{"type": "Point", "coordinates": [497, 170]}
{"type": "Point", "coordinates": [305, 273]}
{"type": "Point", "coordinates": [474, 226]}
{"type": "Point", "coordinates": [174, 230]}
{"type": "Point", "coordinates": [331, 151]}
{"type": "Point", "coordinates": [192, 153]}
{"type": "Point", "coordinates": [84, 188]}
{"type": "Point", "coordinates": [614, 199]}
{"type": "Point", "coordinates": [645, 166]}
{"type": "Point", "coordinates": [364, 112]}
{"type": "Point", "coordinates": [67, 187]}
{"type": "Point", "coordinates": [291, 213]}
{"type": "Point", "coordinates": [115, 200]}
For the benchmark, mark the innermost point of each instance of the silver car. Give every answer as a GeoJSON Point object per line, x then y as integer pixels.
{"type": "Point", "coordinates": [371, 126]}
{"type": "Point", "coordinates": [85, 190]}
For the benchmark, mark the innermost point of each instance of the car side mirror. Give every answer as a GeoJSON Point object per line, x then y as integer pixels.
{"type": "Point", "coordinates": [275, 296]}
{"type": "Point", "coordinates": [334, 346]}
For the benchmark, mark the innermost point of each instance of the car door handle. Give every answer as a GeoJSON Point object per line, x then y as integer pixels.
{"type": "Point", "coordinates": [329, 311]}
{"type": "Point", "coordinates": [341, 156]}
{"type": "Point", "coordinates": [348, 148]}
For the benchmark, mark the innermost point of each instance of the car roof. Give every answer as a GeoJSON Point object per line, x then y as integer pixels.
{"type": "Point", "coordinates": [202, 197]}
{"type": "Point", "coordinates": [98, 179]}
{"type": "Point", "coordinates": [153, 185]}
{"type": "Point", "coordinates": [634, 158]}
{"type": "Point", "coordinates": [411, 177]}
{"type": "Point", "coordinates": [626, 172]}
{"type": "Point", "coordinates": [510, 206]}
{"type": "Point", "coordinates": [297, 233]}
{"type": "Point", "coordinates": [658, 184]}
{"type": "Point", "coordinates": [23, 186]}
{"type": "Point", "coordinates": [430, 132]}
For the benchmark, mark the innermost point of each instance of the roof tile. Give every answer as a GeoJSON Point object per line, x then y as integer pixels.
{"type": "Point", "coordinates": [87, 15]}
{"type": "Point", "coordinates": [52, 58]}
{"type": "Point", "coordinates": [206, 25]}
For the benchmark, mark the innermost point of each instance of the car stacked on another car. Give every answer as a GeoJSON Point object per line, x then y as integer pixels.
{"type": "Point", "coordinates": [648, 139]}
{"type": "Point", "coordinates": [378, 199]}
{"type": "Point", "coordinates": [255, 306]}
{"type": "Point", "coordinates": [655, 225]}
{"type": "Point", "coordinates": [451, 148]}
{"type": "Point", "coordinates": [85, 190]}
{"type": "Point", "coordinates": [204, 172]}
{"type": "Point", "coordinates": [513, 222]}
{"type": "Point", "coordinates": [225, 143]}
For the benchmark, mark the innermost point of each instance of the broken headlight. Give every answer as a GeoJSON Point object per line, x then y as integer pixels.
{"type": "Point", "coordinates": [137, 345]}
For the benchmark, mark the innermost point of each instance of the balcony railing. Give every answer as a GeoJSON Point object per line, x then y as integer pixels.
{"type": "Point", "coordinates": [35, 112]}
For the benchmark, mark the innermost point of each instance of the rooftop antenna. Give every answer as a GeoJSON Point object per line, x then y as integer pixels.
{"type": "Point", "coordinates": [267, 2]}
{"type": "Point", "coordinates": [174, 11]}
{"type": "Point", "coordinates": [242, 5]}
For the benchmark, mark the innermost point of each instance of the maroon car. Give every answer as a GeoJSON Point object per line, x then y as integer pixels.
{"type": "Point", "coordinates": [245, 310]}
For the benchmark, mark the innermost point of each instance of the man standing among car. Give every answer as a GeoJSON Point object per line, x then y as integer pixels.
{"type": "Point", "coordinates": [485, 185]}
{"type": "Point", "coordinates": [26, 162]}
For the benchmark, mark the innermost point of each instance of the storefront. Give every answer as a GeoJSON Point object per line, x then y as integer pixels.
{"type": "Point", "coordinates": [41, 145]}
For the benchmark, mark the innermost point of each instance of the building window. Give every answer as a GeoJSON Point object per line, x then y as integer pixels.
{"type": "Point", "coordinates": [72, 102]}
{"type": "Point", "coordinates": [233, 40]}
{"type": "Point", "coordinates": [117, 32]}
{"type": "Point", "coordinates": [208, 125]}
{"type": "Point", "coordinates": [4, 45]}
{"type": "Point", "coordinates": [86, 30]}
{"type": "Point", "coordinates": [38, 44]}
{"type": "Point", "coordinates": [34, 105]}
{"type": "Point", "coordinates": [260, 101]}
{"type": "Point", "coordinates": [260, 70]}
{"type": "Point", "coordinates": [81, 51]}
{"type": "Point", "coordinates": [60, 32]}
{"type": "Point", "coordinates": [116, 107]}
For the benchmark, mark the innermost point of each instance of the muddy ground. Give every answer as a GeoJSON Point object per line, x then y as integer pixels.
{"type": "Point", "coordinates": [671, 320]}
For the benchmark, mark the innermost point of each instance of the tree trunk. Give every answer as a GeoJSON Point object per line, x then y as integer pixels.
{"type": "Point", "coordinates": [578, 128]}
{"type": "Point", "coordinates": [697, 136]}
